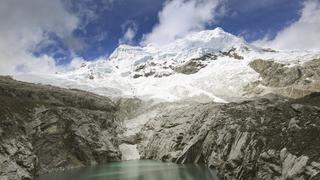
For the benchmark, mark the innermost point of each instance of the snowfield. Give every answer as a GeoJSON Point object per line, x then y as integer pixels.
{"type": "Point", "coordinates": [203, 67]}
{"type": "Point", "coordinates": [149, 72]}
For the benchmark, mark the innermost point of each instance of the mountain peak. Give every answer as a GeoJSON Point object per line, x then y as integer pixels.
{"type": "Point", "coordinates": [193, 45]}
{"type": "Point", "coordinates": [217, 39]}
{"type": "Point", "coordinates": [217, 36]}
{"type": "Point", "coordinates": [206, 65]}
{"type": "Point", "coordinates": [210, 33]}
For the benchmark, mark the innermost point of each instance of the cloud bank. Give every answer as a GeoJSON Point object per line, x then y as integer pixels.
{"type": "Point", "coordinates": [301, 35]}
{"type": "Point", "coordinates": [23, 25]}
{"type": "Point", "coordinates": [180, 17]}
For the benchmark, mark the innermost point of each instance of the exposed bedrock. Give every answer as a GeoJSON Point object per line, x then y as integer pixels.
{"type": "Point", "coordinates": [291, 81]}
{"type": "Point", "coordinates": [43, 129]}
{"type": "Point", "coordinates": [267, 138]}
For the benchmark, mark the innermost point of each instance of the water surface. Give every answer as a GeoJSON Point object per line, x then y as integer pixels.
{"type": "Point", "coordinates": [136, 170]}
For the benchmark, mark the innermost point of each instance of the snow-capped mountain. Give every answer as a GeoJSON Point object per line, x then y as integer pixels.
{"type": "Point", "coordinates": [203, 66]}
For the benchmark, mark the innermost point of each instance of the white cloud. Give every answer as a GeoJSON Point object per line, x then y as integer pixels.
{"type": "Point", "coordinates": [23, 26]}
{"type": "Point", "coordinates": [180, 17]}
{"type": "Point", "coordinates": [301, 35]}
{"type": "Point", "coordinates": [130, 29]}
{"type": "Point", "coordinates": [130, 34]}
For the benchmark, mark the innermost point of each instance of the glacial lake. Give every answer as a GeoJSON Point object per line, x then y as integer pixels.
{"type": "Point", "coordinates": [136, 170]}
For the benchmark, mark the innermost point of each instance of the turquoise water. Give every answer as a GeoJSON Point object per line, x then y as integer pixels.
{"type": "Point", "coordinates": [136, 170]}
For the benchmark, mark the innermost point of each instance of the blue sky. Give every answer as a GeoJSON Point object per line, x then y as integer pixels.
{"type": "Point", "coordinates": [43, 35]}
{"type": "Point", "coordinates": [102, 25]}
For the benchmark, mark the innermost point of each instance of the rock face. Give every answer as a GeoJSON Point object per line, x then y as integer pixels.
{"type": "Point", "coordinates": [291, 81]}
{"type": "Point", "coordinates": [196, 64]}
{"type": "Point", "coordinates": [267, 138]}
{"type": "Point", "coordinates": [43, 129]}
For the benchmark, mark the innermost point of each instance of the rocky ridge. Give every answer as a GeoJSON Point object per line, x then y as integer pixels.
{"type": "Point", "coordinates": [293, 81]}
{"type": "Point", "coordinates": [266, 138]}
{"type": "Point", "coordinates": [44, 129]}
{"type": "Point", "coordinates": [188, 67]}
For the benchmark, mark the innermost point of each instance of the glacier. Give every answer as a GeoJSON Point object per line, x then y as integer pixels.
{"type": "Point", "coordinates": [150, 72]}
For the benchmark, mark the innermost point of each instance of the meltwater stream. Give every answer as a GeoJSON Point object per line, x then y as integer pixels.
{"type": "Point", "coordinates": [136, 170]}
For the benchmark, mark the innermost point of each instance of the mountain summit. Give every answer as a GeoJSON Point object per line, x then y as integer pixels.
{"type": "Point", "coordinates": [210, 65]}
{"type": "Point", "coordinates": [194, 45]}
{"type": "Point", "coordinates": [171, 103]}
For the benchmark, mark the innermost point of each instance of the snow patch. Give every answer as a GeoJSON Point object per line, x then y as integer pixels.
{"type": "Point", "coordinates": [129, 152]}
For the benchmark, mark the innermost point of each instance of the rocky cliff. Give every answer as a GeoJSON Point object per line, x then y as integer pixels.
{"type": "Point", "coordinates": [267, 138]}
{"type": "Point", "coordinates": [294, 81]}
{"type": "Point", "coordinates": [44, 128]}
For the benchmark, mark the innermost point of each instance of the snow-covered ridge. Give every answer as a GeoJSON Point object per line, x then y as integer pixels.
{"type": "Point", "coordinates": [194, 45]}
{"type": "Point", "coordinates": [210, 65]}
{"type": "Point", "coordinates": [161, 60]}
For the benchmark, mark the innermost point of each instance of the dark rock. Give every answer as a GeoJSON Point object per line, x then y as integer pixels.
{"type": "Point", "coordinates": [44, 129]}
{"type": "Point", "coordinates": [195, 65]}
{"type": "Point", "coordinates": [150, 73]}
{"type": "Point", "coordinates": [269, 50]}
{"type": "Point", "coordinates": [268, 138]}
{"type": "Point", "coordinates": [139, 68]}
{"type": "Point", "coordinates": [190, 67]}
{"type": "Point", "coordinates": [233, 54]}
{"type": "Point", "coordinates": [137, 76]}
{"type": "Point", "coordinates": [290, 81]}
{"type": "Point", "coordinates": [276, 74]}
{"type": "Point", "coordinates": [91, 77]}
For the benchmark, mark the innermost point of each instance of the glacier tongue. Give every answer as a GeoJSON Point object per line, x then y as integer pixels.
{"type": "Point", "coordinates": [210, 65]}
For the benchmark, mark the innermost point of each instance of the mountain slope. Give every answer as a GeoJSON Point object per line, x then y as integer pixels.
{"type": "Point", "coordinates": [210, 65]}
{"type": "Point", "coordinates": [265, 138]}
{"type": "Point", "coordinates": [45, 128]}
{"type": "Point", "coordinates": [153, 106]}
